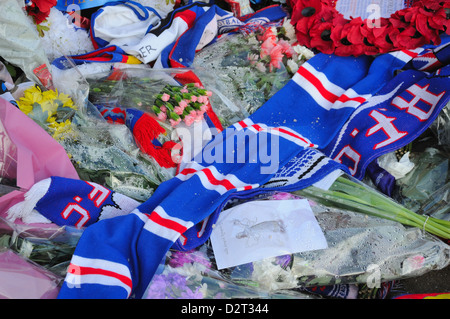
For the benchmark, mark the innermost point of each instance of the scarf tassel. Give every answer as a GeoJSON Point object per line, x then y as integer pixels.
{"type": "Point", "coordinates": [145, 131]}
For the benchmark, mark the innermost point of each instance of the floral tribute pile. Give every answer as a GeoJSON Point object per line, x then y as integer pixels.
{"type": "Point", "coordinates": [319, 25]}
{"type": "Point", "coordinates": [144, 136]}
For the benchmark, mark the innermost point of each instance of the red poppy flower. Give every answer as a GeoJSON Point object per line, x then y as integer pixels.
{"type": "Point", "coordinates": [409, 38]}
{"type": "Point", "coordinates": [439, 20]}
{"type": "Point", "coordinates": [429, 33]}
{"type": "Point", "coordinates": [321, 37]}
{"type": "Point", "coordinates": [347, 49]}
{"type": "Point", "coordinates": [353, 31]}
{"type": "Point", "coordinates": [429, 4]}
{"type": "Point", "coordinates": [381, 37]}
{"type": "Point", "coordinates": [45, 5]}
{"type": "Point", "coordinates": [305, 10]}
{"type": "Point", "coordinates": [403, 18]}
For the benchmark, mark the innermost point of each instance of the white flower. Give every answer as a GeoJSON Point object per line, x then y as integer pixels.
{"type": "Point", "coordinates": [290, 30]}
{"type": "Point", "coordinates": [63, 38]}
{"type": "Point", "coordinates": [252, 40]}
{"type": "Point", "coordinates": [292, 65]}
{"type": "Point", "coordinates": [260, 66]}
{"type": "Point", "coordinates": [303, 51]}
{"type": "Point", "coordinates": [271, 276]}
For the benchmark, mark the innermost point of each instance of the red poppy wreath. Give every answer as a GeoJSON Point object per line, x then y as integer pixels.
{"type": "Point", "coordinates": [320, 26]}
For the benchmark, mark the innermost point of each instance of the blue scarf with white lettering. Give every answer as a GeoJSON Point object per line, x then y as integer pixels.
{"type": "Point", "coordinates": [117, 257]}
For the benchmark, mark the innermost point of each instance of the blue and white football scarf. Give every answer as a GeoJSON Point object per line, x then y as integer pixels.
{"type": "Point", "coordinates": [393, 118]}
{"type": "Point", "coordinates": [214, 23]}
{"type": "Point", "coordinates": [71, 5]}
{"type": "Point", "coordinates": [190, 28]}
{"type": "Point", "coordinates": [117, 257]}
{"type": "Point", "coordinates": [122, 23]}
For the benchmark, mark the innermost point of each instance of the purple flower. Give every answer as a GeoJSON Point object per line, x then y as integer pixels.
{"type": "Point", "coordinates": [157, 288]}
{"type": "Point", "coordinates": [283, 260]}
{"type": "Point", "coordinates": [189, 294]}
{"type": "Point", "coordinates": [179, 258]}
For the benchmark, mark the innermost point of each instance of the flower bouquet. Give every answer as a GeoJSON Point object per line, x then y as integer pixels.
{"type": "Point", "coordinates": [364, 254]}
{"type": "Point", "coordinates": [193, 275]}
{"type": "Point", "coordinates": [353, 195]}
{"type": "Point", "coordinates": [49, 247]}
{"type": "Point", "coordinates": [170, 103]}
{"type": "Point", "coordinates": [98, 152]}
{"type": "Point", "coordinates": [250, 66]}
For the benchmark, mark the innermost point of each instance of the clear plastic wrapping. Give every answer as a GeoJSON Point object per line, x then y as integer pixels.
{"type": "Point", "coordinates": [362, 250]}
{"type": "Point", "coordinates": [249, 67]}
{"type": "Point", "coordinates": [34, 259]}
{"type": "Point", "coordinates": [425, 189]}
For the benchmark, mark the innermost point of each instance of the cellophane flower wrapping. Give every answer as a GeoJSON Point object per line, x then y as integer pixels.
{"type": "Point", "coordinates": [20, 43]}
{"type": "Point", "coordinates": [249, 67]}
{"type": "Point", "coordinates": [426, 189]}
{"type": "Point", "coordinates": [48, 246]}
{"type": "Point", "coordinates": [362, 250]}
{"type": "Point", "coordinates": [106, 150]}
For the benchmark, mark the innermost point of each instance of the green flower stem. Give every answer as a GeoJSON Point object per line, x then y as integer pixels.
{"type": "Point", "coordinates": [388, 203]}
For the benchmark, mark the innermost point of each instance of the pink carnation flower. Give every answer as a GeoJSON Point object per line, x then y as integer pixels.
{"type": "Point", "coordinates": [183, 104]}
{"type": "Point", "coordinates": [178, 110]}
{"type": "Point", "coordinates": [276, 57]}
{"type": "Point", "coordinates": [162, 116]}
{"type": "Point", "coordinates": [286, 48]}
{"type": "Point", "coordinates": [266, 47]}
{"type": "Point", "coordinates": [174, 123]}
{"type": "Point", "coordinates": [189, 119]}
{"type": "Point", "coordinates": [199, 116]}
{"type": "Point", "coordinates": [269, 34]}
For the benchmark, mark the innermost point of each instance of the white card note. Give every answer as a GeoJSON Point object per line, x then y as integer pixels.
{"type": "Point", "coordinates": [262, 229]}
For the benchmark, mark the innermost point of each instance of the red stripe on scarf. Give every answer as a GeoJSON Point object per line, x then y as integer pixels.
{"type": "Point", "coordinates": [79, 270]}
{"type": "Point", "coordinates": [214, 181]}
{"type": "Point", "coordinates": [167, 223]}
{"type": "Point", "coordinates": [318, 85]}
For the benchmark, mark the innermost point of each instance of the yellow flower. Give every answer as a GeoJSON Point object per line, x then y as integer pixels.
{"type": "Point", "coordinates": [49, 95]}
{"type": "Point", "coordinates": [61, 130]}
{"type": "Point", "coordinates": [46, 104]}
{"type": "Point", "coordinates": [50, 106]}
{"type": "Point", "coordinates": [66, 100]}
{"type": "Point", "coordinates": [31, 96]}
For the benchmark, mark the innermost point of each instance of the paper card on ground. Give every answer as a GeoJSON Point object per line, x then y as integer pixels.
{"type": "Point", "coordinates": [262, 229]}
